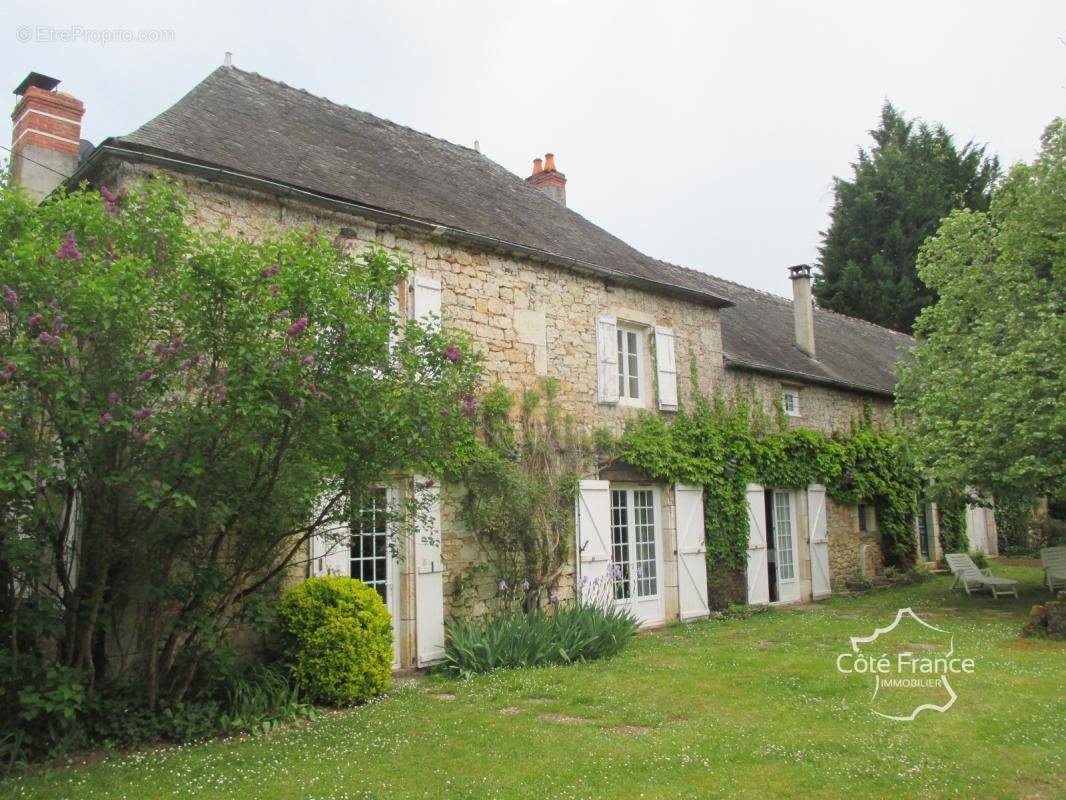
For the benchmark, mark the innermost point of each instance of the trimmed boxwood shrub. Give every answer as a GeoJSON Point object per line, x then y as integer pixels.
{"type": "Point", "coordinates": [336, 637]}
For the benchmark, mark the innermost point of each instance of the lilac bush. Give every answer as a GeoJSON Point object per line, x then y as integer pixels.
{"type": "Point", "coordinates": [181, 411]}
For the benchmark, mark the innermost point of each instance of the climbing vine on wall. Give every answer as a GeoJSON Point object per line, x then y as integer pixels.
{"type": "Point", "coordinates": [521, 481]}
{"type": "Point", "coordinates": [723, 445]}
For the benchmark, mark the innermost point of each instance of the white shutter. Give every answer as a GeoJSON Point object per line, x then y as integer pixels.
{"type": "Point", "coordinates": [427, 298]}
{"type": "Point", "coordinates": [394, 310]}
{"type": "Point", "coordinates": [819, 541]}
{"type": "Point", "coordinates": [429, 580]}
{"type": "Point", "coordinates": [691, 552]}
{"type": "Point", "coordinates": [976, 529]}
{"type": "Point", "coordinates": [330, 549]}
{"type": "Point", "coordinates": [758, 583]}
{"type": "Point", "coordinates": [607, 358]}
{"type": "Point", "coordinates": [331, 552]}
{"type": "Point", "coordinates": [594, 538]}
{"type": "Point", "coordinates": [666, 368]}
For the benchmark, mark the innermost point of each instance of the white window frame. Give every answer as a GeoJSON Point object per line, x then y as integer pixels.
{"type": "Point", "coordinates": [624, 376]}
{"type": "Point", "coordinates": [631, 577]}
{"type": "Point", "coordinates": [790, 393]}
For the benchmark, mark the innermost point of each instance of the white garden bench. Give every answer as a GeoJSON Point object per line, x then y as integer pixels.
{"type": "Point", "coordinates": [967, 573]}
{"type": "Point", "coordinates": [1054, 561]}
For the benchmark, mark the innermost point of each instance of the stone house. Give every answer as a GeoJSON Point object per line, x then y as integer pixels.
{"type": "Point", "coordinates": [543, 293]}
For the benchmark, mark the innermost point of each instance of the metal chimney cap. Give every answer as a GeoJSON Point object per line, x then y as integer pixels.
{"type": "Point", "coordinates": [799, 271]}
{"type": "Point", "coordinates": [38, 80]}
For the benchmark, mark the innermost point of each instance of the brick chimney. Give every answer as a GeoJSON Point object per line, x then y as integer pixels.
{"type": "Point", "coordinates": [46, 135]}
{"type": "Point", "coordinates": [803, 307]}
{"type": "Point", "coordinates": [548, 179]}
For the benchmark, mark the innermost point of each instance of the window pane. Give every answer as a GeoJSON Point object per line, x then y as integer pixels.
{"type": "Point", "coordinates": [619, 544]}
{"type": "Point", "coordinates": [370, 538]}
{"type": "Point", "coordinates": [783, 525]}
{"type": "Point", "coordinates": [621, 364]}
{"type": "Point", "coordinates": [634, 365]}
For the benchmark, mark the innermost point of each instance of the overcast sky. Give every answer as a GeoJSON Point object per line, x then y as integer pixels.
{"type": "Point", "coordinates": [706, 134]}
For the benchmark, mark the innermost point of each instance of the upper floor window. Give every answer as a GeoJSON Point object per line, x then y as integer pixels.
{"type": "Point", "coordinates": [790, 402]}
{"type": "Point", "coordinates": [630, 350]}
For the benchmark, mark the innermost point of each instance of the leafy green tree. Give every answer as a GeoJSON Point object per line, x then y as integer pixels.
{"type": "Point", "coordinates": [901, 188]}
{"type": "Point", "coordinates": [986, 389]}
{"type": "Point", "coordinates": [179, 413]}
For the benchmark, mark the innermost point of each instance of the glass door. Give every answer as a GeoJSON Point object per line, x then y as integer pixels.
{"type": "Point", "coordinates": [371, 561]}
{"type": "Point", "coordinates": [636, 557]}
{"type": "Point", "coordinates": [788, 588]}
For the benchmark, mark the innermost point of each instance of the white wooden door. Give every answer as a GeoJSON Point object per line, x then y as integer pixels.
{"type": "Point", "coordinates": [758, 582]}
{"type": "Point", "coordinates": [429, 579]}
{"type": "Point", "coordinates": [330, 550]}
{"type": "Point", "coordinates": [787, 558]}
{"type": "Point", "coordinates": [691, 552]}
{"type": "Point", "coordinates": [819, 541]}
{"type": "Point", "coordinates": [636, 553]}
{"type": "Point", "coordinates": [593, 539]}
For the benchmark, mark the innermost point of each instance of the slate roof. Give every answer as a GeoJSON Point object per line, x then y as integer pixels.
{"type": "Point", "coordinates": [758, 333]}
{"type": "Point", "coordinates": [248, 124]}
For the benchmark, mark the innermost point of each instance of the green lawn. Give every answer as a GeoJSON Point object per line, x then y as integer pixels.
{"type": "Point", "coordinates": [741, 708]}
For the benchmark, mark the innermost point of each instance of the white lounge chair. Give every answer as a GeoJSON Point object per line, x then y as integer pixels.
{"type": "Point", "coordinates": [972, 578]}
{"type": "Point", "coordinates": [1054, 561]}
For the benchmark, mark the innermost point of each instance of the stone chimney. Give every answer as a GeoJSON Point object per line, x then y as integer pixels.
{"type": "Point", "coordinates": [803, 307]}
{"type": "Point", "coordinates": [548, 179]}
{"type": "Point", "coordinates": [46, 135]}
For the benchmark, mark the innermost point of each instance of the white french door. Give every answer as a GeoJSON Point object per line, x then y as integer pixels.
{"type": "Point", "coordinates": [788, 585]}
{"type": "Point", "coordinates": [372, 559]}
{"type": "Point", "coordinates": [636, 553]}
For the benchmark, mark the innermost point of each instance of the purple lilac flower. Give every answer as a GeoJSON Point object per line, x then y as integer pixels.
{"type": "Point", "coordinates": [584, 581]}
{"type": "Point", "coordinates": [112, 398]}
{"type": "Point", "coordinates": [3, 436]}
{"type": "Point", "coordinates": [46, 338]}
{"type": "Point", "coordinates": [110, 200]}
{"type": "Point", "coordinates": [36, 320]}
{"type": "Point", "coordinates": [309, 359]}
{"type": "Point", "coordinates": [429, 484]}
{"type": "Point", "coordinates": [503, 586]}
{"type": "Point", "coordinates": [105, 418]}
{"type": "Point", "coordinates": [275, 289]}
{"type": "Point", "coordinates": [142, 414]}
{"type": "Point", "coordinates": [271, 271]}
{"type": "Point", "coordinates": [11, 298]}
{"type": "Point", "coordinates": [297, 328]}
{"type": "Point", "coordinates": [469, 404]}
{"type": "Point", "coordinates": [69, 249]}
{"type": "Point", "coordinates": [151, 311]}
{"type": "Point", "coordinates": [452, 354]}
{"type": "Point", "coordinates": [147, 375]}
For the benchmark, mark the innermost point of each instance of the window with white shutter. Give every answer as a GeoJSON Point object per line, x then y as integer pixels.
{"type": "Point", "coordinates": [666, 368]}
{"type": "Point", "coordinates": [607, 359]}
{"type": "Point", "coordinates": [427, 298]}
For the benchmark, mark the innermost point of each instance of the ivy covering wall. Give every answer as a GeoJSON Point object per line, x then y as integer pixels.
{"type": "Point", "coordinates": [723, 445]}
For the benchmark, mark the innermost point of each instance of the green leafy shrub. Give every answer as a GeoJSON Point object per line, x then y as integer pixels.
{"type": "Point", "coordinates": [511, 637]}
{"type": "Point", "coordinates": [336, 640]}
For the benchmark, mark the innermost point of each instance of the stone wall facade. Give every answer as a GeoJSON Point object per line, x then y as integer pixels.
{"type": "Point", "coordinates": [534, 320]}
